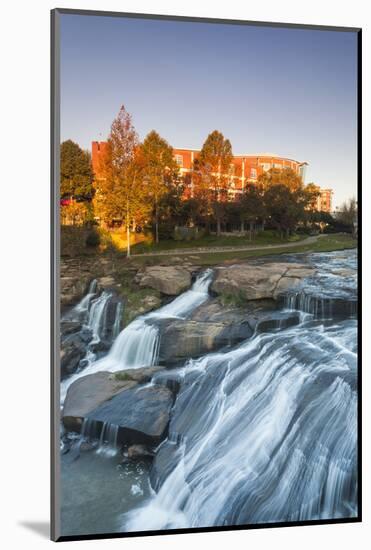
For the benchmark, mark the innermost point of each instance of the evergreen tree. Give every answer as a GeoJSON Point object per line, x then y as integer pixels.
{"type": "Point", "coordinates": [76, 172]}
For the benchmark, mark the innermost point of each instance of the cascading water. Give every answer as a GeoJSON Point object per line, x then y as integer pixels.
{"type": "Point", "coordinates": [105, 434]}
{"type": "Point", "coordinates": [81, 311]}
{"type": "Point", "coordinates": [96, 314]}
{"type": "Point", "coordinates": [267, 434]}
{"type": "Point", "coordinates": [137, 344]}
{"type": "Point", "coordinates": [263, 433]}
{"type": "Point", "coordinates": [91, 312]}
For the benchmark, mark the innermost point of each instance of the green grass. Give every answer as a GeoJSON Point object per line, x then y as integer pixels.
{"type": "Point", "coordinates": [134, 296]}
{"type": "Point", "coordinates": [233, 300]}
{"type": "Point", "coordinates": [325, 243]}
{"type": "Point", "coordinates": [266, 237]}
{"type": "Point", "coordinates": [122, 376]}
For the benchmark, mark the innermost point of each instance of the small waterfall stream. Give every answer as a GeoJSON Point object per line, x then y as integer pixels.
{"type": "Point", "coordinates": [92, 313]}
{"type": "Point", "coordinates": [137, 344]}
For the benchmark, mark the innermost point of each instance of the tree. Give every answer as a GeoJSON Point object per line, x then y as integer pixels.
{"type": "Point", "coordinates": [348, 212]}
{"type": "Point", "coordinates": [120, 192]}
{"type": "Point", "coordinates": [282, 207]}
{"type": "Point", "coordinates": [76, 172]}
{"type": "Point", "coordinates": [286, 177]}
{"type": "Point", "coordinates": [214, 169]}
{"type": "Point", "coordinates": [251, 206]}
{"type": "Point", "coordinates": [160, 171]}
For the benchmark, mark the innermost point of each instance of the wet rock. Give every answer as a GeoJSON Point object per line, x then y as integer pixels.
{"type": "Point", "coordinates": [69, 327]}
{"type": "Point", "coordinates": [71, 353]}
{"type": "Point", "coordinates": [322, 307]}
{"type": "Point", "coordinates": [184, 339]}
{"type": "Point", "coordinates": [170, 280]}
{"type": "Point", "coordinates": [255, 282]}
{"type": "Point", "coordinates": [142, 414]}
{"type": "Point", "coordinates": [89, 392]}
{"type": "Point", "coordinates": [136, 452]}
{"type": "Point", "coordinates": [286, 284]}
{"type": "Point", "coordinates": [278, 321]}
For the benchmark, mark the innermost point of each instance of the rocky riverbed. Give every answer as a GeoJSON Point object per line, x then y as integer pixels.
{"type": "Point", "coordinates": [134, 387]}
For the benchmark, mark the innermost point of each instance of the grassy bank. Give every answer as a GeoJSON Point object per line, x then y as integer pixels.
{"type": "Point", "coordinates": [326, 243]}
{"type": "Point", "coordinates": [212, 241]}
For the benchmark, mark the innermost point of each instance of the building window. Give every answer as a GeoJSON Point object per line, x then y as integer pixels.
{"type": "Point", "coordinates": [253, 173]}
{"type": "Point", "coordinates": [277, 165]}
{"type": "Point", "coordinates": [266, 166]}
{"type": "Point", "coordinates": [179, 160]}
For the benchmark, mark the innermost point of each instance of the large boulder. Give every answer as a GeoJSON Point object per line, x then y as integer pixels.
{"type": "Point", "coordinates": [142, 414]}
{"type": "Point", "coordinates": [185, 339]}
{"type": "Point", "coordinates": [88, 392]}
{"type": "Point", "coordinates": [72, 349]}
{"type": "Point", "coordinates": [170, 280]}
{"type": "Point", "coordinates": [255, 282]}
{"type": "Point", "coordinates": [123, 399]}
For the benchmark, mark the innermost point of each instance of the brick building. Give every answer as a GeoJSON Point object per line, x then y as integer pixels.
{"type": "Point", "coordinates": [324, 201]}
{"type": "Point", "coordinates": [244, 169]}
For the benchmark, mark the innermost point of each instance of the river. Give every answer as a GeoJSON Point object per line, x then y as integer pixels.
{"type": "Point", "coordinates": [262, 432]}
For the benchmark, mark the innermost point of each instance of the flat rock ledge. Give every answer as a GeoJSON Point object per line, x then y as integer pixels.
{"type": "Point", "coordinates": [169, 280]}
{"type": "Point", "coordinates": [252, 282]}
{"type": "Point", "coordinates": [124, 399]}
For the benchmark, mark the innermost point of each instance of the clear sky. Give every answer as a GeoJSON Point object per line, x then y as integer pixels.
{"type": "Point", "coordinates": [290, 92]}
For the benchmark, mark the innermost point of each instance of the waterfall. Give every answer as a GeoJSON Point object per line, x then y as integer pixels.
{"type": "Point", "coordinates": [137, 344]}
{"type": "Point", "coordinates": [105, 433]}
{"type": "Point", "coordinates": [81, 311]}
{"type": "Point", "coordinates": [108, 440]}
{"type": "Point", "coordinates": [262, 433]}
{"type": "Point", "coordinates": [321, 307]}
{"type": "Point", "coordinates": [117, 323]}
{"type": "Point", "coordinates": [96, 314]}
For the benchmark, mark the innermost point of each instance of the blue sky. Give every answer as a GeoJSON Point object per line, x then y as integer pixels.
{"type": "Point", "coordinates": [285, 91]}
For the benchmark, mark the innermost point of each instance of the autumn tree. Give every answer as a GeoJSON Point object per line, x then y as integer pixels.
{"type": "Point", "coordinates": [160, 172]}
{"type": "Point", "coordinates": [251, 206]}
{"type": "Point", "coordinates": [276, 176]}
{"type": "Point", "coordinates": [76, 172]}
{"type": "Point", "coordinates": [120, 186]}
{"type": "Point", "coordinates": [214, 168]}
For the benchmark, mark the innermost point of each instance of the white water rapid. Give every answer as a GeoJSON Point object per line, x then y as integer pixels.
{"type": "Point", "coordinates": [137, 344]}
{"type": "Point", "coordinates": [265, 432]}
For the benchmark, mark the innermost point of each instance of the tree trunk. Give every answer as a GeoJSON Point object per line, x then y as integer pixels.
{"type": "Point", "coordinates": [242, 229]}
{"type": "Point", "coordinates": [156, 224]}
{"type": "Point", "coordinates": [263, 224]}
{"type": "Point", "coordinates": [287, 233]}
{"type": "Point", "coordinates": [127, 232]}
{"type": "Point", "coordinates": [218, 227]}
{"type": "Point", "coordinates": [250, 231]}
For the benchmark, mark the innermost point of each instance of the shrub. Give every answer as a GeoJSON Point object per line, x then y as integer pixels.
{"type": "Point", "coordinates": [236, 299]}
{"type": "Point", "coordinates": [122, 376]}
{"type": "Point", "coordinates": [92, 239]}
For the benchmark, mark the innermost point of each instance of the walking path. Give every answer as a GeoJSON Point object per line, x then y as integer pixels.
{"type": "Point", "coordinates": [216, 249]}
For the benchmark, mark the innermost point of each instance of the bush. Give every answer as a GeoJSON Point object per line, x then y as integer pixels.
{"type": "Point", "coordinates": [187, 233]}
{"type": "Point", "coordinates": [236, 299]}
{"type": "Point", "coordinates": [92, 239]}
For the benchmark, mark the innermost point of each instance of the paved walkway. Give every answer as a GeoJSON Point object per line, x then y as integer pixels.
{"type": "Point", "coordinates": [216, 249]}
